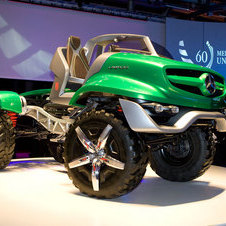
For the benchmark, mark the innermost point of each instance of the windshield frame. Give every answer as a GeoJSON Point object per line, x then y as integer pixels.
{"type": "Point", "coordinates": [105, 40]}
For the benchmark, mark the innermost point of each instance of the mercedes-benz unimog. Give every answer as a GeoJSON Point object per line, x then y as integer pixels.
{"type": "Point", "coordinates": [115, 106]}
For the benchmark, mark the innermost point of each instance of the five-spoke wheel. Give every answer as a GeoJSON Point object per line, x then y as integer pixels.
{"type": "Point", "coordinates": [96, 155]}
{"type": "Point", "coordinates": [102, 157]}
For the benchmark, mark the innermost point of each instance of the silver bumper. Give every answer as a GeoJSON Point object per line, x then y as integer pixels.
{"type": "Point", "coordinates": [140, 121]}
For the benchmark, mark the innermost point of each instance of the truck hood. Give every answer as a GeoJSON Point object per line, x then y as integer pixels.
{"type": "Point", "coordinates": [161, 62]}
{"type": "Point", "coordinates": [153, 78]}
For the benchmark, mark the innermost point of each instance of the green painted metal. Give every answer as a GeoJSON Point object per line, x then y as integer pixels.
{"type": "Point", "coordinates": [41, 92]}
{"type": "Point", "coordinates": [10, 101]}
{"type": "Point", "coordinates": [144, 77]}
{"type": "Point", "coordinates": [38, 92]}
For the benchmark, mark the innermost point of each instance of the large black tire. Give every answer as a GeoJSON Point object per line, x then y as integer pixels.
{"type": "Point", "coordinates": [122, 145]}
{"type": "Point", "coordinates": [56, 150]}
{"type": "Point", "coordinates": [195, 156]}
{"type": "Point", "coordinates": [220, 157]}
{"type": "Point", "coordinates": [7, 140]}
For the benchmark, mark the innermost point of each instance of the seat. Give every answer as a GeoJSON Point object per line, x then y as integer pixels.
{"type": "Point", "coordinates": [73, 44]}
{"type": "Point", "coordinates": [76, 58]}
{"type": "Point", "coordinates": [70, 67]}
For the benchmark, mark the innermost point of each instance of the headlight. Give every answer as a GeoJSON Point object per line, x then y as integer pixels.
{"type": "Point", "coordinates": [159, 108]}
{"type": "Point", "coordinates": [174, 109]}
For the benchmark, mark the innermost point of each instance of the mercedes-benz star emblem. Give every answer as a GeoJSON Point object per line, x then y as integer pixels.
{"type": "Point", "coordinates": [210, 84]}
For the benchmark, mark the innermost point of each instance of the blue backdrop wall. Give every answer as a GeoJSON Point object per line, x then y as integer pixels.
{"type": "Point", "coordinates": [197, 42]}
{"type": "Point", "coordinates": [30, 34]}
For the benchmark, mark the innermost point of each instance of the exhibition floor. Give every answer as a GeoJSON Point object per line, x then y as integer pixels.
{"type": "Point", "coordinates": [39, 192]}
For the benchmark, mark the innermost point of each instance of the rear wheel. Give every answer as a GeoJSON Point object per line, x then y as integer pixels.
{"type": "Point", "coordinates": [187, 159]}
{"type": "Point", "coordinates": [102, 157]}
{"type": "Point", "coordinates": [220, 157]}
{"type": "Point", "coordinates": [7, 140]}
{"type": "Point", "coordinates": [56, 150]}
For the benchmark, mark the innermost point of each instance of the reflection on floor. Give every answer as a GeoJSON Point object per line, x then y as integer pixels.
{"type": "Point", "coordinates": [39, 192]}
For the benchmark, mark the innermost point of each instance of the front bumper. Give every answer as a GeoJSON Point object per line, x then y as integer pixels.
{"type": "Point", "coordinates": [140, 121]}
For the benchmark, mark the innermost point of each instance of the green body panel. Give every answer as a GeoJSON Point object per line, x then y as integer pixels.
{"type": "Point", "coordinates": [41, 92]}
{"type": "Point", "coordinates": [144, 77]}
{"type": "Point", "coordinates": [10, 101]}
{"type": "Point", "coordinates": [38, 92]}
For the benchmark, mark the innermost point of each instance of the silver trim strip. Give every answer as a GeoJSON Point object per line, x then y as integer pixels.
{"type": "Point", "coordinates": [140, 121]}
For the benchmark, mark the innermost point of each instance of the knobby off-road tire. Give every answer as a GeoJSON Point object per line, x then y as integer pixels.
{"type": "Point", "coordinates": [7, 140]}
{"type": "Point", "coordinates": [220, 157]}
{"type": "Point", "coordinates": [122, 144]}
{"type": "Point", "coordinates": [199, 149]}
{"type": "Point", "coordinates": [56, 150]}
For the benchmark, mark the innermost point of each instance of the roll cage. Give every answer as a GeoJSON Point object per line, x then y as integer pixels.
{"type": "Point", "coordinates": [102, 42]}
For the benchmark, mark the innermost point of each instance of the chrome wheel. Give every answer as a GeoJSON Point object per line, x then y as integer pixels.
{"type": "Point", "coordinates": [96, 155]}
{"type": "Point", "coordinates": [103, 157]}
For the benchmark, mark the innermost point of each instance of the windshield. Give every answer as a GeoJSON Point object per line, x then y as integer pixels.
{"type": "Point", "coordinates": [128, 44]}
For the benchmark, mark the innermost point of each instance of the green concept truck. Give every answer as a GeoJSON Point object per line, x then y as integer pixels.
{"type": "Point", "coordinates": [115, 106]}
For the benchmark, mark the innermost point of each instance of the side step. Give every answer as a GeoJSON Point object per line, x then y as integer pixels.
{"type": "Point", "coordinates": [51, 123]}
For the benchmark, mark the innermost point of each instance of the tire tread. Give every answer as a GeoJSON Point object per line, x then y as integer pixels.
{"type": "Point", "coordinates": [7, 140]}
{"type": "Point", "coordinates": [140, 163]}
{"type": "Point", "coordinates": [181, 174]}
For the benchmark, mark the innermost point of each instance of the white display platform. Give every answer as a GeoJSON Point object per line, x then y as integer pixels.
{"type": "Point", "coordinates": [39, 192]}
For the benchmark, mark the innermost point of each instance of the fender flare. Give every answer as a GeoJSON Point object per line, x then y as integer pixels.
{"type": "Point", "coordinates": [10, 101]}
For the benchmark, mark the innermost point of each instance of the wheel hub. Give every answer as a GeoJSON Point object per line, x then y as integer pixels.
{"type": "Point", "coordinates": [96, 155]}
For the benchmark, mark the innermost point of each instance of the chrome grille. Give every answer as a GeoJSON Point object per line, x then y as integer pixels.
{"type": "Point", "coordinates": [171, 72]}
